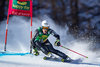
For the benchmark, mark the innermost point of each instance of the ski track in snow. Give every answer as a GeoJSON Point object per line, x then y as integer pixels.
{"type": "Point", "coordinates": [37, 61]}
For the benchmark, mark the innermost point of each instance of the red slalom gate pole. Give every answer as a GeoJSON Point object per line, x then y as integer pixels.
{"type": "Point", "coordinates": [6, 33]}
{"type": "Point", "coordinates": [31, 28]}
{"type": "Point", "coordinates": [31, 36]}
{"type": "Point", "coordinates": [74, 51]}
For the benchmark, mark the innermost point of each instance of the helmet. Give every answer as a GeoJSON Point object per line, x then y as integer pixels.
{"type": "Point", "coordinates": [45, 25]}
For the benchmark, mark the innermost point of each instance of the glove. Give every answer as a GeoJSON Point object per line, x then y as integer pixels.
{"type": "Point", "coordinates": [57, 43]}
{"type": "Point", "coordinates": [35, 52]}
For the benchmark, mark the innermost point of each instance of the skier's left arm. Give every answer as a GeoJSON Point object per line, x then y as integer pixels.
{"type": "Point", "coordinates": [57, 42]}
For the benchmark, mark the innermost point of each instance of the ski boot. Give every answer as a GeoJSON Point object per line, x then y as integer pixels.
{"type": "Point", "coordinates": [68, 59]}
{"type": "Point", "coordinates": [35, 52]}
{"type": "Point", "coordinates": [49, 56]}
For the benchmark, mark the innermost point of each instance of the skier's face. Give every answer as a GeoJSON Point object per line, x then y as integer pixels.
{"type": "Point", "coordinates": [44, 31]}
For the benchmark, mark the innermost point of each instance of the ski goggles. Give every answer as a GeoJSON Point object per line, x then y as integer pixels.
{"type": "Point", "coordinates": [45, 28]}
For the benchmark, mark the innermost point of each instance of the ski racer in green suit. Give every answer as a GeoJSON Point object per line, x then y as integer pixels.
{"type": "Point", "coordinates": [40, 41]}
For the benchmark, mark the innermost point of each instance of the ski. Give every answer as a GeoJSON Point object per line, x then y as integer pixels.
{"type": "Point", "coordinates": [56, 59]}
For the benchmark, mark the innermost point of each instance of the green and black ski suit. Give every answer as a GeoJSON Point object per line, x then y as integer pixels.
{"type": "Point", "coordinates": [41, 42]}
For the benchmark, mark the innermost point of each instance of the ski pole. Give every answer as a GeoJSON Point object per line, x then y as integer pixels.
{"type": "Point", "coordinates": [73, 51]}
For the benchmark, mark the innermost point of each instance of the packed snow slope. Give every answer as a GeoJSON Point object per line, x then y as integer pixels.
{"type": "Point", "coordinates": [19, 41]}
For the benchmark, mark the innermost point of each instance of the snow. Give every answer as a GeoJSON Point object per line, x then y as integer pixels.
{"type": "Point", "coordinates": [33, 61]}
{"type": "Point", "coordinates": [19, 41]}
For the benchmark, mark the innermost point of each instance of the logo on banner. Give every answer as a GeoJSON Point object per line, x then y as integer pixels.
{"type": "Point", "coordinates": [20, 5]}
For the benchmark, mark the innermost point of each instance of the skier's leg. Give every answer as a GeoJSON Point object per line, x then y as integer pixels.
{"type": "Point", "coordinates": [33, 46]}
{"type": "Point", "coordinates": [57, 52]}
{"type": "Point", "coordinates": [41, 47]}
{"type": "Point", "coordinates": [64, 57]}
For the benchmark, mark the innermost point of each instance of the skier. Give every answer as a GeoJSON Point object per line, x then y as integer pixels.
{"type": "Point", "coordinates": [40, 42]}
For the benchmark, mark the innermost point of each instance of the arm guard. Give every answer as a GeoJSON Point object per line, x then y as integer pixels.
{"type": "Point", "coordinates": [55, 34]}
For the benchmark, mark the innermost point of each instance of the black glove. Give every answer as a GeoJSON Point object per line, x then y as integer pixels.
{"type": "Point", "coordinates": [57, 43]}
